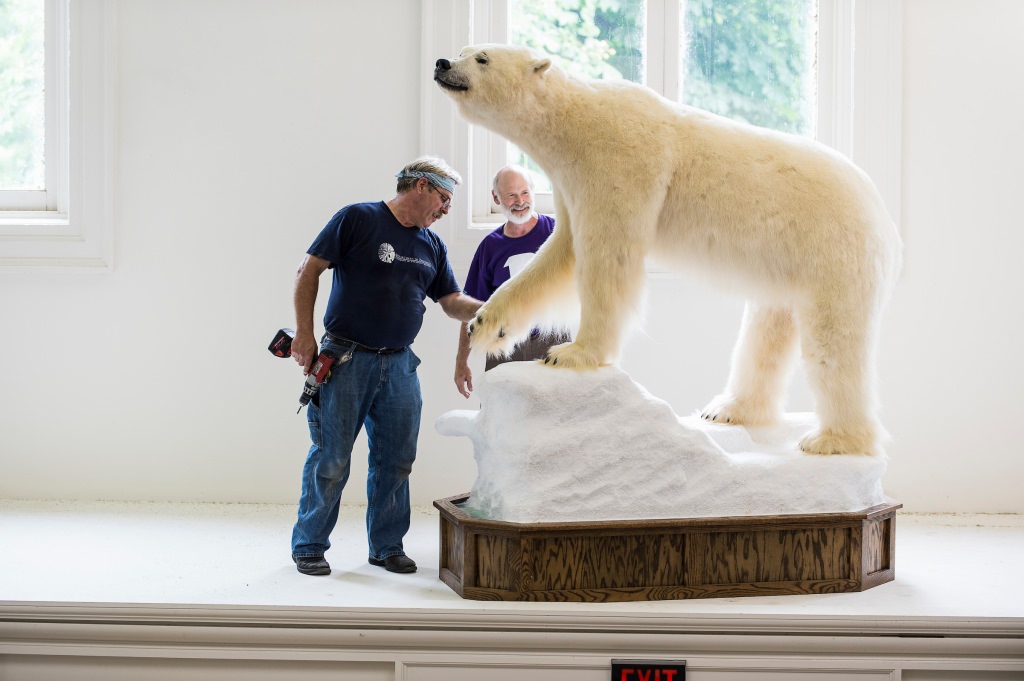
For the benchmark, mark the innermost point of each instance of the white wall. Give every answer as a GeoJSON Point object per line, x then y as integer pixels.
{"type": "Point", "coordinates": [245, 124]}
{"type": "Point", "coordinates": [953, 377]}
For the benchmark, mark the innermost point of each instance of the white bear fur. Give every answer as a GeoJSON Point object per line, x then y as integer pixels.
{"type": "Point", "coordinates": [790, 223]}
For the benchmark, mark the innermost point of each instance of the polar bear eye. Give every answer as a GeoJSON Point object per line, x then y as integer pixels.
{"type": "Point", "coordinates": [482, 59]}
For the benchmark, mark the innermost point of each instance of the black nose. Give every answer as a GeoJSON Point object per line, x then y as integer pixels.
{"type": "Point", "coordinates": [442, 65]}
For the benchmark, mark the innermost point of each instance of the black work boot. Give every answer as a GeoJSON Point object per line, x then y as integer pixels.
{"type": "Point", "coordinates": [312, 565]}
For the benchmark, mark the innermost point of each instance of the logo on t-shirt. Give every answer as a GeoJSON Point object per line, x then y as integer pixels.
{"type": "Point", "coordinates": [516, 263]}
{"type": "Point", "coordinates": [387, 254]}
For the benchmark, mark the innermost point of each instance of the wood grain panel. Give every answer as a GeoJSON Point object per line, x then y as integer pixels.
{"type": "Point", "coordinates": [877, 542]}
{"type": "Point", "coordinates": [602, 561]}
{"type": "Point", "coordinates": [498, 564]}
{"type": "Point", "coordinates": [452, 547]}
{"type": "Point", "coordinates": [665, 559]}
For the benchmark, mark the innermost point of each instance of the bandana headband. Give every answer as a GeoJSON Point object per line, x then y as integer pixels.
{"type": "Point", "coordinates": [433, 178]}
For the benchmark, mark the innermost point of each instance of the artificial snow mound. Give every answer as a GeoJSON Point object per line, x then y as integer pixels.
{"type": "Point", "coordinates": [560, 445]}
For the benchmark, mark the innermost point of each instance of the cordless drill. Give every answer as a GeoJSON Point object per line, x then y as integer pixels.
{"type": "Point", "coordinates": [281, 346]}
{"type": "Point", "coordinates": [317, 375]}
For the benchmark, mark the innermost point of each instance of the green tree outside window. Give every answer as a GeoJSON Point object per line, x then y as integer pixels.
{"type": "Point", "coordinates": [21, 94]}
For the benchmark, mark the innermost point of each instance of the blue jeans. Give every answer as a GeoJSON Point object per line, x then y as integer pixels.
{"type": "Point", "coordinates": [382, 392]}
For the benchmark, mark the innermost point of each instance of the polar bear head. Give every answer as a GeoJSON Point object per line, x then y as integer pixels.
{"type": "Point", "coordinates": [485, 80]}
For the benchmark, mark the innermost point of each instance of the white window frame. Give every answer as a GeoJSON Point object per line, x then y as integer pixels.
{"type": "Point", "coordinates": [70, 223]}
{"type": "Point", "coordinates": [859, 95]}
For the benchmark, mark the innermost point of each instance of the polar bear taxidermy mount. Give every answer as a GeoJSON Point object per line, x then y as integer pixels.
{"type": "Point", "coordinates": [801, 231]}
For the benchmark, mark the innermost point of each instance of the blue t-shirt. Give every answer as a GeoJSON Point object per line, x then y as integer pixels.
{"type": "Point", "coordinates": [382, 272]}
{"type": "Point", "coordinates": [498, 257]}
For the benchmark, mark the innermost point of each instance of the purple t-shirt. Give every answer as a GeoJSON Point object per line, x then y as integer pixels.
{"type": "Point", "coordinates": [498, 257]}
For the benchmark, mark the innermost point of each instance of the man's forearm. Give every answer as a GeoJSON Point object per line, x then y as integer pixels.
{"type": "Point", "coordinates": [307, 283]}
{"type": "Point", "coordinates": [460, 306]}
{"type": "Point", "coordinates": [462, 356]}
{"type": "Point", "coordinates": [306, 286]}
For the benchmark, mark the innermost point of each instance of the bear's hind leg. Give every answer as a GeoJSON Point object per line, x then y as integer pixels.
{"type": "Point", "coordinates": [838, 357]}
{"type": "Point", "coordinates": [761, 363]}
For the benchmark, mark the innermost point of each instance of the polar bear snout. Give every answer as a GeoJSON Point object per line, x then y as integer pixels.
{"type": "Point", "coordinates": [446, 78]}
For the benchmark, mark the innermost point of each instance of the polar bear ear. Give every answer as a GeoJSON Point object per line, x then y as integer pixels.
{"type": "Point", "coordinates": [541, 65]}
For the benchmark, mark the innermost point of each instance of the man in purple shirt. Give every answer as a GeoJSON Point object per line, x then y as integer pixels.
{"type": "Point", "coordinates": [500, 255]}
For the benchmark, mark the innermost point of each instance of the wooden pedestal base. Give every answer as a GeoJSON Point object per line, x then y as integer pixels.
{"type": "Point", "coordinates": [650, 560]}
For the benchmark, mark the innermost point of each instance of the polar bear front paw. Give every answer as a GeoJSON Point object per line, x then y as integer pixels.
{"type": "Point", "coordinates": [829, 443]}
{"type": "Point", "coordinates": [571, 356]}
{"type": "Point", "coordinates": [487, 333]}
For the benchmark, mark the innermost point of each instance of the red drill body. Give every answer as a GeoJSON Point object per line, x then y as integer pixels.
{"type": "Point", "coordinates": [317, 375]}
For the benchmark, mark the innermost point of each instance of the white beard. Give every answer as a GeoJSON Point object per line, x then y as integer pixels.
{"type": "Point", "coordinates": [518, 219]}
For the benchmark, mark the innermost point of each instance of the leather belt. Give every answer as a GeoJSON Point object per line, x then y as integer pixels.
{"type": "Point", "coordinates": [359, 346]}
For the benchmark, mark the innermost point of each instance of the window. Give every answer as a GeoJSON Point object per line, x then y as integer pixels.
{"type": "Point", "coordinates": [22, 104]}
{"type": "Point", "coordinates": [829, 69]}
{"type": "Point", "coordinates": [56, 95]}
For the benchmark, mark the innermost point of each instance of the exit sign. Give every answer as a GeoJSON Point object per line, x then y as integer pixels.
{"type": "Point", "coordinates": [648, 670]}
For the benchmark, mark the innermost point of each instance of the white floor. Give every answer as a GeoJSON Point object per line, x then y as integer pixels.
{"type": "Point", "coordinates": [963, 567]}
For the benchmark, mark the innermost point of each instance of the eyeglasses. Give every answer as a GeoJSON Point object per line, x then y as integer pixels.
{"type": "Point", "coordinates": [447, 199]}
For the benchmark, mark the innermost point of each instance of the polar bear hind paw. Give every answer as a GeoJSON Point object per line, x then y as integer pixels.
{"type": "Point", "coordinates": [735, 412]}
{"type": "Point", "coordinates": [571, 356]}
{"type": "Point", "coordinates": [829, 443]}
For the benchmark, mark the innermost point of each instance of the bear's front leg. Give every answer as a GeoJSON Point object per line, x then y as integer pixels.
{"type": "Point", "coordinates": [527, 298]}
{"type": "Point", "coordinates": [610, 275]}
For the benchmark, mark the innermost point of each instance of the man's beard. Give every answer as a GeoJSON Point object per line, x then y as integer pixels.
{"type": "Point", "coordinates": [518, 219]}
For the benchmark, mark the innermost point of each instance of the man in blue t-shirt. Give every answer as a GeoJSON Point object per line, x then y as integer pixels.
{"type": "Point", "coordinates": [500, 255]}
{"type": "Point", "coordinates": [386, 262]}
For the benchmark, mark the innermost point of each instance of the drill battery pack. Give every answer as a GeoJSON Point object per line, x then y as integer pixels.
{"type": "Point", "coordinates": [281, 346]}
